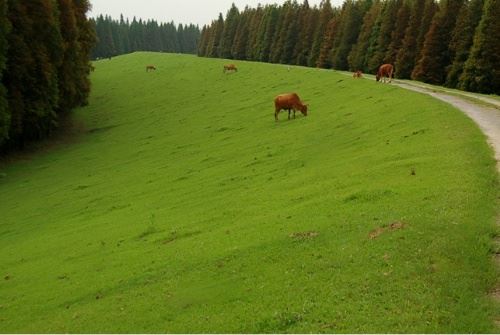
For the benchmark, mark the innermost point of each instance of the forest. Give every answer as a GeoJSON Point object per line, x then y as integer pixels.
{"type": "Point", "coordinates": [45, 48]}
{"type": "Point", "coordinates": [455, 43]}
{"type": "Point", "coordinates": [122, 37]}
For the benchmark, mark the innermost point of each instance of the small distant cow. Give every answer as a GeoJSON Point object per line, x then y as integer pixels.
{"type": "Point", "coordinates": [357, 74]}
{"type": "Point", "coordinates": [385, 71]}
{"type": "Point", "coordinates": [289, 102]}
{"type": "Point", "coordinates": [230, 67]}
{"type": "Point", "coordinates": [150, 68]}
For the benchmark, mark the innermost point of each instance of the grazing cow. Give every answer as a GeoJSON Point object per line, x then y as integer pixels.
{"type": "Point", "coordinates": [385, 71]}
{"type": "Point", "coordinates": [150, 68]}
{"type": "Point", "coordinates": [230, 67]}
{"type": "Point", "coordinates": [357, 74]}
{"type": "Point", "coordinates": [289, 102]}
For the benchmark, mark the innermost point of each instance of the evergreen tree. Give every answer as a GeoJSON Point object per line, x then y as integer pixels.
{"type": "Point", "coordinates": [324, 59]}
{"type": "Point", "coordinates": [406, 57]}
{"type": "Point", "coordinates": [68, 70]}
{"type": "Point", "coordinates": [215, 37]}
{"type": "Point", "coordinates": [398, 34]}
{"type": "Point", "coordinates": [430, 10]}
{"type": "Point", "coordinates": [266, 33]}
{"type": "Point", "coordinates": [278, 38]}
{"type": "Point", "coordinates": [358, 56]}
{"type": "Point", "coordinates": [86, 41]}
{"type": "Point", "coordinates": [4, 112]}
{"type": "Point", "coordinates": [238, 50]}
{"type": "Point", "coordinates": [383, 40]}
{"type": "Point", "coordinates": [306, 35]}
{"type": "Point", "coordinates": [256, 18]}
{"type": "Point", "coordinates": [462, 39]}
{"type": "Point", "coordinates": [352, 19]}
{"type": "Point", "coordinates": [482, 69]}
{"type": "Point", "coordinates": [290, 33]}
{"type": "Point", "coordinates": [325, 15]}
{"type": "Point", "coordinates": [431, 67]}
{"type": "Point", "coordinates": [31, 76]}
{"type": "Point", "coordinates": [230, 26]}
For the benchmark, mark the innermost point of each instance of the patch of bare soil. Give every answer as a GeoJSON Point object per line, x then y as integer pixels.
{"type": "Point", "coordinates": [397, 225]}
{"type": "Point", "coordinates": [304, 235]}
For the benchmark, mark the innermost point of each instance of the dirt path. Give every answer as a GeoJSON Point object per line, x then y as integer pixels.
{"type": "Point", "coordinates": [488, 118]}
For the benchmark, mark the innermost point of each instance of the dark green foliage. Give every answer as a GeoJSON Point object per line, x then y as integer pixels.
{"type": "Point", "coordinates": [431, 67]}
{"type": "Point", "coordinates": [44, 66]}
{"type": "Point", "coordinates": [4, 113]}
{"type": "Point", "coordinates": [35, 53]}
{"type": "Point", "coordinates": [463, 37]}
{"type": "Point", "coordinates": [215, 36]}
{"type": "Point", "coordinates": [324, 59]}
{"type": "Point", "coordinates": [229, 31]}
{"type": "Point", "coordinates": [121, 37]}
{"type": "Point", "coordinates": [380, 43]}
{"type": "Point", "coordinates": [325, 15]}
{"type": "Point", "coordinates": [398, 33]}
{"type": "Point", "coordinates": [482, 69]}
{"type": "Point", "coordinates": [350, 25]}
{"type": "Point", "coordinates": [357, 58]}
{"type": "Point", "coordinates": [68, 70]}
{"type": "Point", "coordinates": [407, 54]}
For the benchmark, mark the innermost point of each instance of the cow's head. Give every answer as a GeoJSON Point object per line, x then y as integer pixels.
{"type": "Point", "coordinates": [303, 109]}
{"type": "Point", "coordinates": [378, 77]}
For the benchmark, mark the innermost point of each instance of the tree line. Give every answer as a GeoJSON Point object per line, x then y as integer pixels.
{"type": "Point", "coordinates": [455, 43]}
{"type": "Point", "coordinates": [45, 49]}
{"type": "Point", "coordinates": [118, 37]}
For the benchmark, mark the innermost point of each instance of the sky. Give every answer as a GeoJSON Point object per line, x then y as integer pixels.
{"type": "Point", "coordinates": [199, 12]}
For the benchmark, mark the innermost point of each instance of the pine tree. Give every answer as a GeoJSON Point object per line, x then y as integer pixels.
{"type": "Point", "coordinates": [306, 35]}
{"type": "Point", "coordinates": [238, 50]}
{"type": "Point", "coordinates": [431, 67]}
{"type": "Point", "coordinates": [31, 76]}
{"type": "Point", "coordinates": [398, 34]}
{"type": "Point", "coordinates": [358, 56]}
{"type": "Point", "coordinates": [252, 41]}
{"type": "Point", "coordinates": [215, 37]}
{"type": "Point", "coordinates": [266, 33]}
{"type": "Point", "coordinates": [462, 39]}
{"type": "Point", "coordinates": [406, 57]}
{"type": "Point", "coordinates": [86, 41]}
{"type": "Point", "coordinates": [230, 26]}
{"type": "Point", "coordinates": [352, 19]}
{"type": "Point", "coordinates": [482, 69]}
{"type": "Point", "coordinates": [387, 26]}
{"type": "Point", "coordinates": [325, 15]}
{"type": "Point", "coordinates": [324, 60]}
{"type": "Point", "coordinates": [290, 30]}
{"type": "Point", "coordinates": [68, 70]}
{"type": "Point", "coordinates": [430, 10]}
{"type": "Point", "coordinates": [4, 112]}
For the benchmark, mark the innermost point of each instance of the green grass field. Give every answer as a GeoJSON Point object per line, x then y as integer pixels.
{"type": "Point", "coordinates": [184, 207]}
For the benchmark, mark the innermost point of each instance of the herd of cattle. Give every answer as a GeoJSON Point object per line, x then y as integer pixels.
{"type": "Point", "coordinates": [291, 101]}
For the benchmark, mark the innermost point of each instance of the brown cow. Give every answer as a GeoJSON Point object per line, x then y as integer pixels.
{"type": "Point", "coordinates": [357, 74]}
{"type": "Point", "coordinates": [230, 67]}
{"type": "Point", "coordinates": [385, 71]}
{"type": "Point", "coordinates": [289, 102]}
{"type": "Point", "coordinates": [150, 68]}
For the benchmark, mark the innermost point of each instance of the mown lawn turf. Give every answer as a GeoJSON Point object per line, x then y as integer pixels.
{"type": "Point", "coordinates": [184, 207]}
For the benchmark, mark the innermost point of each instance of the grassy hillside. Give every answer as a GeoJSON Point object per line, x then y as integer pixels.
{"type": "Point", "coordinates": [184, 207]}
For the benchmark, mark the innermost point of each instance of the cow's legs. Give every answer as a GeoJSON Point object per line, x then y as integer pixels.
{"type": "Point", "coordinates": [289, 111]}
